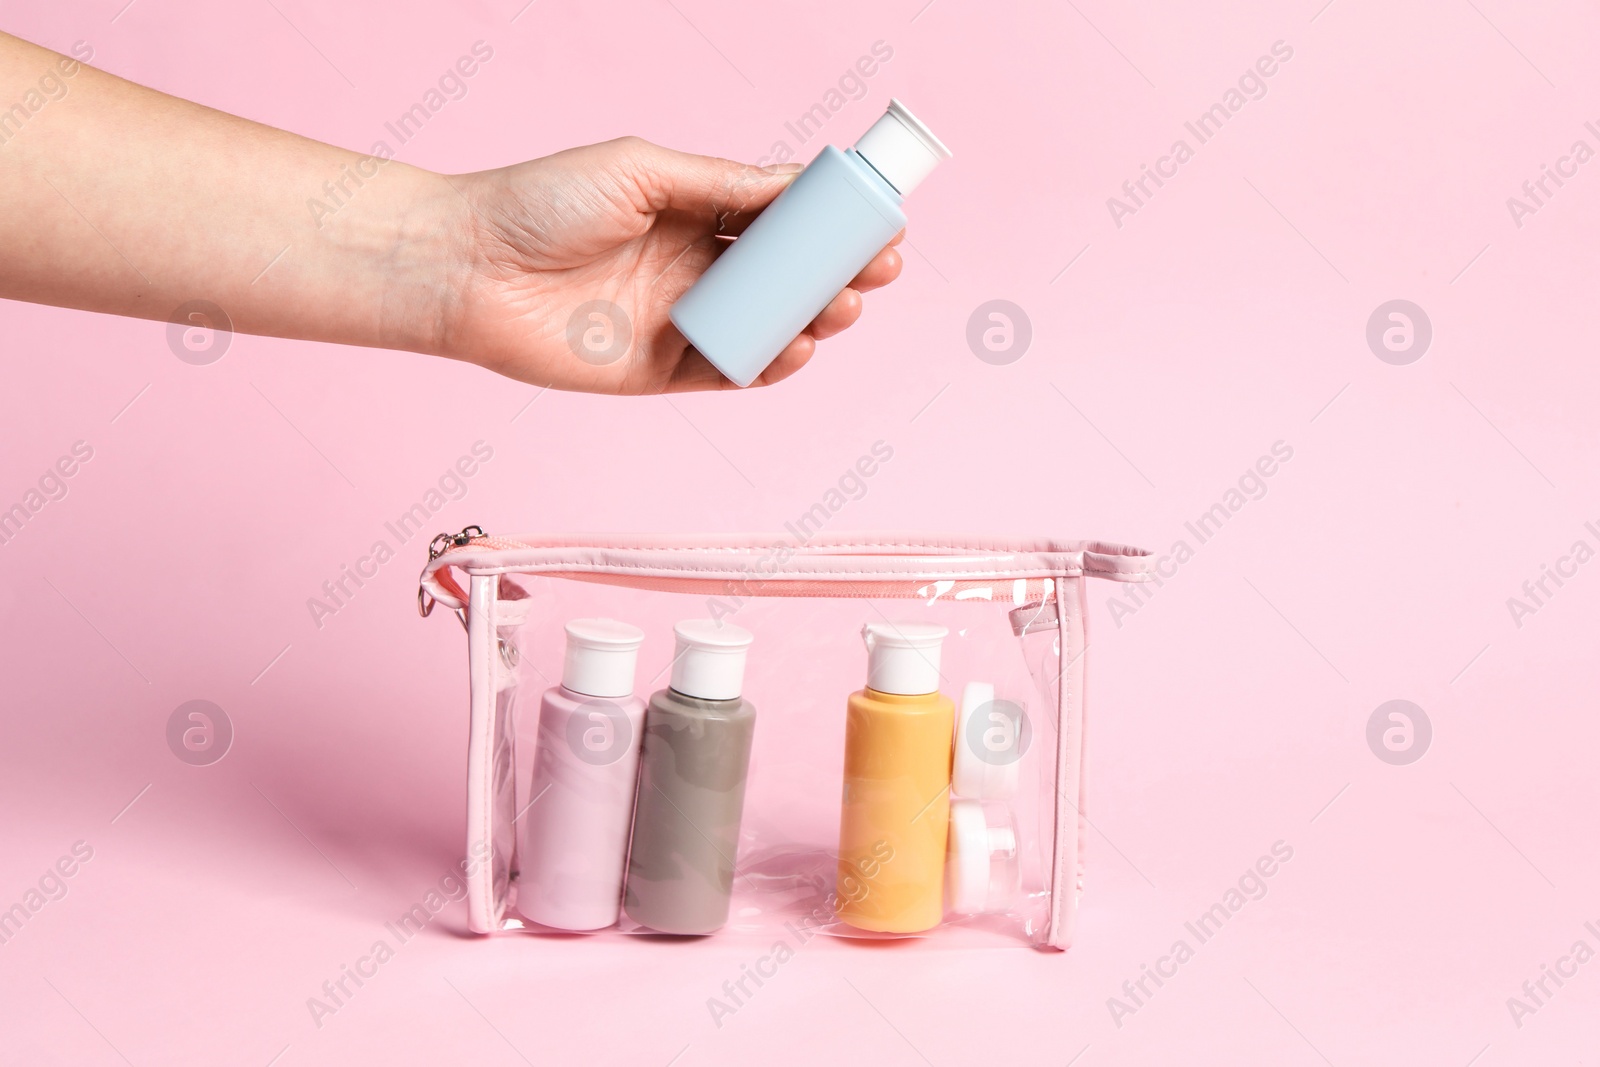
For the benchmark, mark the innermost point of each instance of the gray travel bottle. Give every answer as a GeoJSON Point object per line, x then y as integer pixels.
{"type": "Point", "coordinates": [692, 773]}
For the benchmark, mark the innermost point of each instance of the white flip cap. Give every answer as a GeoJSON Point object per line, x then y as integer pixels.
{"type": "Point", "coordinates": [601, 654]}
{"type": "Point", "coordinates": [985, 762]}
{"type": "Point", "coordinates": [901, 148]}
{"type": "Point", "coordinates": [710, 659]}
{"type": "Point", "coordinates": [980, 868]}
{"type": "Point", "coordinates": [903, 657]}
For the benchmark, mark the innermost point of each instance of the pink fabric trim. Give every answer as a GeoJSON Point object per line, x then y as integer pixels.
{"type": "Point", "coordinates": [483, 914]}
{"type": "Point", "coordinates": [715, 561]}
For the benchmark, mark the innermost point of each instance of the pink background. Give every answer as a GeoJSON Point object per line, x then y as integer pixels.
{"type": "Point", "coordinates": [1229, 712]}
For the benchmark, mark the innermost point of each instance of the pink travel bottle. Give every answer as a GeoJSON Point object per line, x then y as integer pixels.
{"type": "Point", "coordinates": [580, 805]}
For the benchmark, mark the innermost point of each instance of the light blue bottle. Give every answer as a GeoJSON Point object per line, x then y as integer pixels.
{"type": "Point", "coordinates": [807, 245]}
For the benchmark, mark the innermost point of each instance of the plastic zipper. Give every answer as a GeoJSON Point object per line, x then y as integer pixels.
{"type": "Point", "coordinates": [1023, 591]}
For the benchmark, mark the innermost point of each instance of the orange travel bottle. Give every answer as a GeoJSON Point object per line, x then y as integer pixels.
{"type": "Point", "coordinates": [896, 811]}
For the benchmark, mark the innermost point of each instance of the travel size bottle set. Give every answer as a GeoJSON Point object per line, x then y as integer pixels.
{"type": "Point", "coordinates": [871, 737]}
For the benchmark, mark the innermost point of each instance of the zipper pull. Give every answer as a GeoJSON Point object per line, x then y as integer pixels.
{"type": "Point", "coordinates": [441, 544]}
{"type": "Point", "coordinates": [446, 541]}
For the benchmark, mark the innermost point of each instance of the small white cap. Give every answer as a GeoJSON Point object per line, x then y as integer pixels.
{"type": "Point", "coordinates": [984, 770]}
{"type": "Point", "coordinates": [901, 148]}
{"type": "Point", "coordinates": [710, 659]}
{"type": "Point", "coordinates": [980, 871]}
{"type": "Point", "coordinates": [601, 654]}
{"type": "Point", "coordinates": [903, 657]}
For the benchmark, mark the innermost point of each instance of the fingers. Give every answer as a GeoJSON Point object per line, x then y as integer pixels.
{"type": "Point", "coordinates": [840, 314]}
{"type": "Point", "coordinates": [695, 372]}
{"type": "Point", "coordinates": [743, 205]}
{"type": "Point", "coordinates": [845, 308]}
{"type": "Point", "coordinates": [730, 192]}
{"type": "Point", "coordinates": [794, 356]}
{"type": "Point", "coordinates": [884, 268]}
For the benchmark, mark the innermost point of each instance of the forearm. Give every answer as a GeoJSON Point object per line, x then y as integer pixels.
{"type": "Point", "coordinates": [121, 199]}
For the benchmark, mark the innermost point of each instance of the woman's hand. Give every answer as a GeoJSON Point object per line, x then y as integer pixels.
{"type": "Point", "coordinates": [121, 199]}
{"type": "Point", "coordinates": [626, 224]}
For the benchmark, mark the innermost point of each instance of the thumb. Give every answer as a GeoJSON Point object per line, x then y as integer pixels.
{"type": "Point", "coordinates": [751, 197]}
{"type": "Point", "coordinates": [725, 192]}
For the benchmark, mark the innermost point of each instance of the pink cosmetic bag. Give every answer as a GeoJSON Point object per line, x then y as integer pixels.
{"type": "Point", "coordinates": [1013, 663]}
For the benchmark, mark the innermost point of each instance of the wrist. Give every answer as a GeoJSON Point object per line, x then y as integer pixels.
{"type": "Point", "coordinates": [382, 265]}
{"type": "Point", "coordinates": [419, 267]}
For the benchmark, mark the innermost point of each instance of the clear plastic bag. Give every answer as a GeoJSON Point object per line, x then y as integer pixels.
{"type": "Point", "coordinates": [993, 854]}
